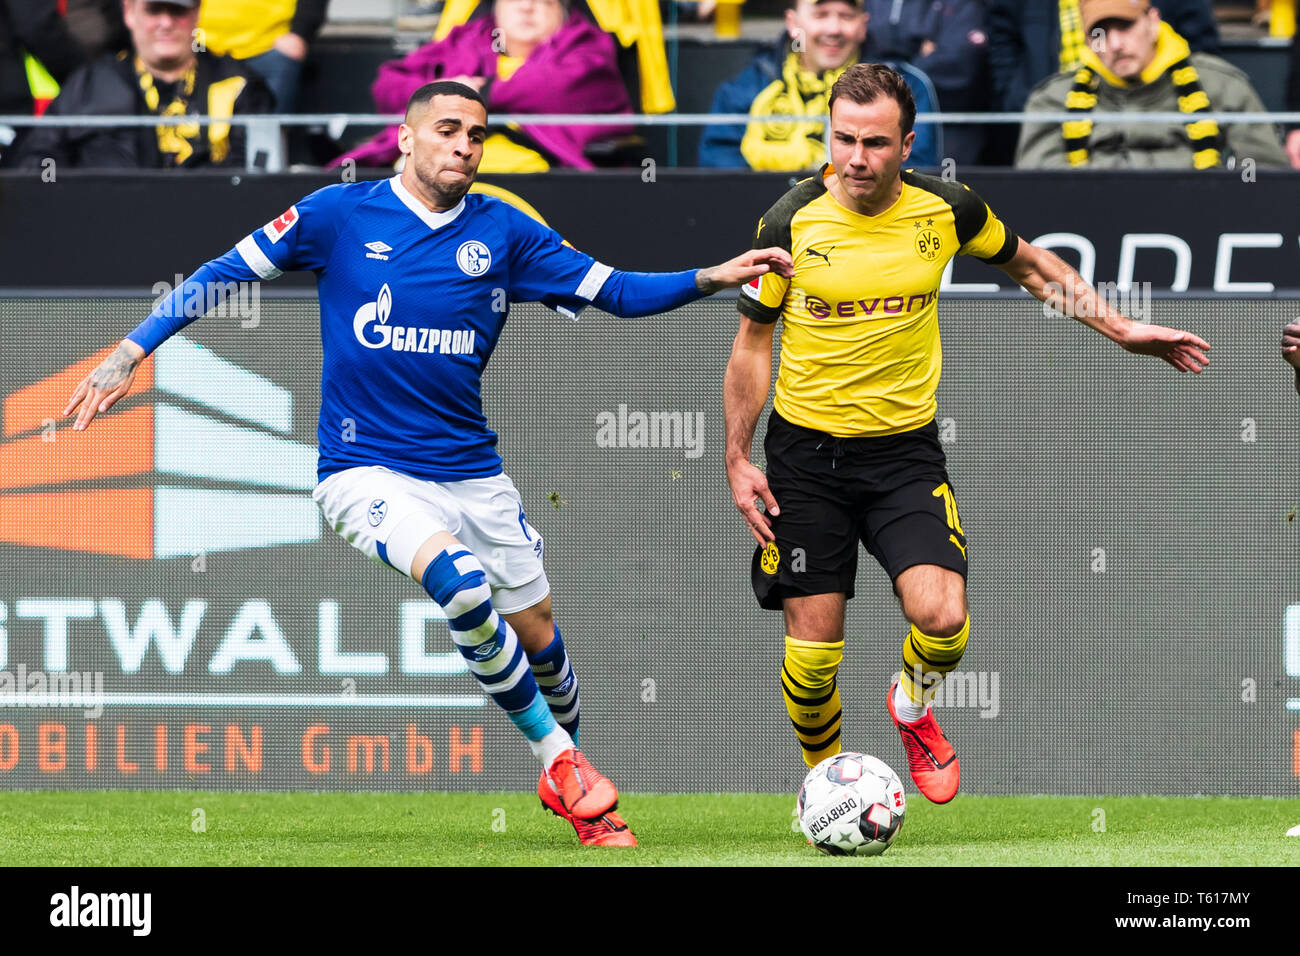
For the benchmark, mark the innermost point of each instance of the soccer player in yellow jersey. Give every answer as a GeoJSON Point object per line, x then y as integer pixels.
{"type": "Point", "coordinates": [852, 447]}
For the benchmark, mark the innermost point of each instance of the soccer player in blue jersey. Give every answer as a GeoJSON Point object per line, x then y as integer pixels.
{"type": "Point", "coordinates": [414, 276]}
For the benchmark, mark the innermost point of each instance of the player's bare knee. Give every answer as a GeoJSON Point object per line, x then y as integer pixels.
{"type": "Point", "coordinates": [818, 617]}
{"type": "Point", "coordinates": [939, 620]}
{"type": "Point", "coordinates": [535, 625]}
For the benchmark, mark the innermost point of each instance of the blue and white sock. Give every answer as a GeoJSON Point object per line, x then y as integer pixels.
{"type": "Point", "coordinates": [558, 683]}
{"type": "Point", "coordinates": [456, 580]}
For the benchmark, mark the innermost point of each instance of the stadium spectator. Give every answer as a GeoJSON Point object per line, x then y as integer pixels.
{"type": "Point", "coordinates": [794, 76]}
{"type": "Point", "coordinates": [159, 74]}
{"type": "Point", "coordinates": [1142, 65]}
{"type": "Point", "coordinates": [95, 26]}
{"type": "Point", "coordinates": [1291, 348]}
{"type": "Point", "coordinates": [946, 40]}
{"type": "Point", "coordinates": [35, 27]}
{"type": "Point", "coordinates": [271, 36]}
{"type": "Point", "coordinates": [1026, 43]}
{"type": "Point", "coordinates": [528, 56]}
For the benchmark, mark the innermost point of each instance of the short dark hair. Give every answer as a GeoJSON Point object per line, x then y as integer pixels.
{"type": "Point", "coordinates": [865, 83]}
{"type": "Point", "coordinates": [443, 88]}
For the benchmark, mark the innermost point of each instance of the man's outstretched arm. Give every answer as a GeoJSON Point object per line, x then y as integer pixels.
{"type": "Point", "coordinates": [102, 388]}
{"type": "Point", "coordinates": [744, 391]}
{"type": "Point", "coordinates": [634, 294]}
{"type": "Point", "coordinates": [1045, 276]}
{"type": "Point", "coordinates": [302, 237]}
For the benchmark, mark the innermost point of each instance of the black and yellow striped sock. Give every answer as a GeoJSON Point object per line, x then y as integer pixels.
{"type": "Point", "coordinates": [927, 659]}
{"type": "Point", "coordinates": [812, 698]}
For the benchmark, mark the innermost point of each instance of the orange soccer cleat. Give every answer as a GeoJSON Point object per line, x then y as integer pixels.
{"type": "Point", "coordinates": [578, 786]}
{"type": "Point", "coordinates": [608, 829]}
{"type": "Point", "coordinates": [930, 758]}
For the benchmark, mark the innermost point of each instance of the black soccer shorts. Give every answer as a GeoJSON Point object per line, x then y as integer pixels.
{"type": "Point", "coordinates": [890, 492]}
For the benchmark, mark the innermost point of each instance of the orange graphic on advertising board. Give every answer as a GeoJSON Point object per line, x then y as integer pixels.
{"type": "Point", "coordinates": [64, 489]}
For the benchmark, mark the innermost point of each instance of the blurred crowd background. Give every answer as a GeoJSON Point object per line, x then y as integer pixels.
{"type": "Point", "coordinates": [638, 70]}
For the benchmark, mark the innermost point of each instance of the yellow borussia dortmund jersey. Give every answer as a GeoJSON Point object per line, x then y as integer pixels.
{"type": "Point", "coordinates": [860, 350]}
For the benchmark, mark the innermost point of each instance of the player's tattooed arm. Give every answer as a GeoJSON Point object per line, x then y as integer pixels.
{"type": "Point", "coordinates": [743, 268]}
{"type": "Point", "coordinates": [113, 371]}
{"type": "Point", "coordinates": [101, 389]}
{"type": "Point", "coordinates": [705, 281]}
{"type": "Point", "coordinates": [1044, 275]}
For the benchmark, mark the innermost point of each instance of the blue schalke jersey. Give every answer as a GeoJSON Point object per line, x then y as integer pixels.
{"type": "Point", "coordinates": [411, 305]}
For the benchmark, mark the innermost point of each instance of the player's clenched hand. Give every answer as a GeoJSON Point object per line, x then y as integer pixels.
{"type": "Point", "coordinates": [1291, 343]}
{"type": "Point", "coordinates": [743, 268]}
{"type": "Point", "coordinates": [747, 485]}
{"type": "Point", "coordinates": [99, 390]}
{"type": "Point", "coordinates": [1183, 350]}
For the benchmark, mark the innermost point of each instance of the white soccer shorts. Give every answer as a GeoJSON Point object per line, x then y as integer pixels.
{"type": "Point", "coordinates": [387, 515]}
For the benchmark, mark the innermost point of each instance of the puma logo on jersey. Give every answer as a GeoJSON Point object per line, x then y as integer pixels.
{"type": "Point", "coordinates": [821, 255]}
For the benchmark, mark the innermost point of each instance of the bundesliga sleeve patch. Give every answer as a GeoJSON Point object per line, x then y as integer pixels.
{"type": "Point", "coordinates": [277, 227]}
{"type": "Point", "coordinates": [752, 287]}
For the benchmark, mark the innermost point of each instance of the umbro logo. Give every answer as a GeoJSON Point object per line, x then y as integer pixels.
{"type": "Point", "coordinates": [821, 255]}
{"type": "Point", "coordinates": [377, 250]}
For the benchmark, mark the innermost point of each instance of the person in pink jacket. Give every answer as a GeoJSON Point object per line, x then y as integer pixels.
{"type": "Point", "coordinates": [528, 56]}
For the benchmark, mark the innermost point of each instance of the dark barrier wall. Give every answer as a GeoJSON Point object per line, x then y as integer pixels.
{"type": "Point", "coordinates": [1233, 233]}
{"type": "Point", "coordinates": [1135, 569]}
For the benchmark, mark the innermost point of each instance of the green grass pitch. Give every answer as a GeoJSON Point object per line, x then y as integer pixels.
{"type": "Point", "coordinates": [118, 828]}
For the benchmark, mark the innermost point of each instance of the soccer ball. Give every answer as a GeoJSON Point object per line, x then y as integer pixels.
{"type": "Point", "coordinates": [851, 803]}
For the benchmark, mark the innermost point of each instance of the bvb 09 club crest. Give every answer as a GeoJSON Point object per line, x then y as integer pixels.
{"type": "Point", "coordinates": [927, 243]}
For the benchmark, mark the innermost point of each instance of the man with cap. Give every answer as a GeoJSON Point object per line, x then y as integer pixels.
{"type": "Point", "coordinates": [1134, 62]}
{"type": "Point", "coordinates": [160, 74]}
{"type": "Point", "coordinates": [794, 77]}
{"type": "Point", "coordinates": [1030, 40]}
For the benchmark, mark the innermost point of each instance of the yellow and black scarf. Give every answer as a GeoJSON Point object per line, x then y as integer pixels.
{"type": "Point", "coordinates": [181, 143]}
{"type": "Point", "coordinates": [1072, 38]}
{"type": "Point", "coordinates": [786, 146]}
{"type": "Point", "coordinates": [174, 142]}
{"type": "Point", "coordinates": [1172, 56]}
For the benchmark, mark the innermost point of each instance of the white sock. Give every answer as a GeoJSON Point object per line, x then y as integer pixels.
{"type": "Point", "coordinates": [551, 746]}
{"type": "Point", "coordinates": [908, 711]}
